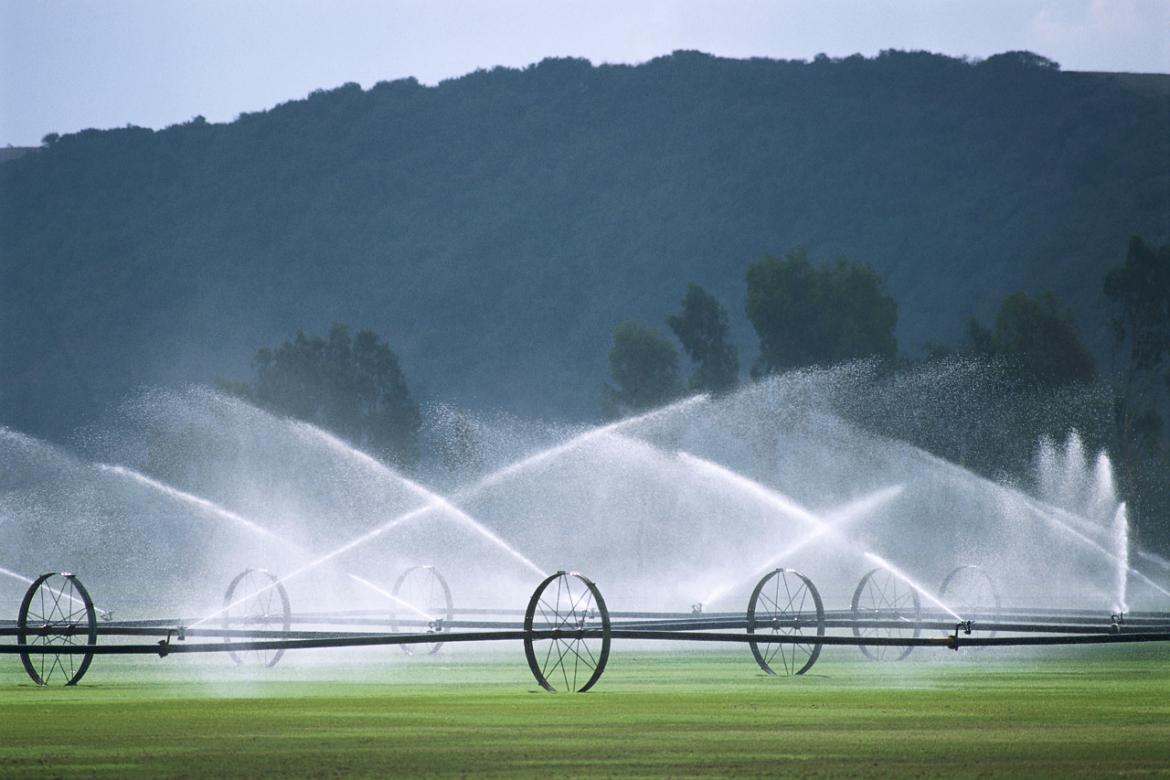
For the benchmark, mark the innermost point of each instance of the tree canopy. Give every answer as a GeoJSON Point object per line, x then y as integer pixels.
{"type": "Point", "coordinates": [1038, 339]}
{"type": "Point", "coordinates": [350, 385]}
{"type": "Point", "coordinates": [1139, 290]}
{"type": "Point", "coordinates": [815, 315]}
{"type": "Point", "coordinates": [702, 329]}
{"type": "Point", "coordinates": [643, 365]}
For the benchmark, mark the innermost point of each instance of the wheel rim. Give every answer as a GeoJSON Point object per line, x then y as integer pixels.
{"type": "Point", "coordinates": [56, 611]}
{"type": "Point", "coordinates": [427, 597]}
{"type": "Point", "coordinates": [971, 592]}
{"type": "Point", "coordinates": [786, 603]}
{"type": "Point", "coordinates": [575, 656]}
{"type": "Point", "coordinates": [883, 596]}
{"type": "Point", "coordinates": [256, 599]}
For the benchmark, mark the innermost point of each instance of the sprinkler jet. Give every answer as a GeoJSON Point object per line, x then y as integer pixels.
{"type": "Point", "coordinates": [786, 505]}
{"type": "Point", "coordinates": [832, 522]}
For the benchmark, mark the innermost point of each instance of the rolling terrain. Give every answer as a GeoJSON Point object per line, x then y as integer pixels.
{"type": "Point", "coordinates": [495, 228]}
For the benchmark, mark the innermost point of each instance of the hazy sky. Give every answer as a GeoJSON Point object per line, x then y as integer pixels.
{"type": "Point", "coordinates": [65, 66]}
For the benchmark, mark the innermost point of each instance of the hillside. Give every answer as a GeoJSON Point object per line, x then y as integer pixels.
{"type": "Point", "coordinates": [496, 227]}
{"type": "Point", "coordinates": [14, 152]}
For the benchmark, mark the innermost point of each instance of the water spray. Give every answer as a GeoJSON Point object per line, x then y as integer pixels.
{"type": "Point", "coordinates": [383, 592]}
{"type": "Point", "coordinates": [203, 504]}
{"type": "Point", "coordinates": [434, 500]}
{"type": "Point", "coordinates": [104, 614]}
{"type": "Point", "coordinates": [366, 537]}
{"type": "Point", "coordinates": [880, 561]}
{"type": "Point", "coordinates": [833, 522]}
{"type": "Point", "coordinates": [577, 441]}
{"type": "Point", "coordinates": [786, 505]}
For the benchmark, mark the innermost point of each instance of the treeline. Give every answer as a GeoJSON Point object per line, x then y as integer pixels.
{"type": "Point", "coordinates": [350, 385]}
{"type": "Point", "coordinates": [819, 314]}
{"type": "Point", "coordinates": [500, 224]}
{"type": "Point", "coordinates": [807, 314]}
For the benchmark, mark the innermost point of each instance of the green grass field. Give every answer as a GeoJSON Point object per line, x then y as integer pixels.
{"type": "Point", "coordinates": [1101, 711]}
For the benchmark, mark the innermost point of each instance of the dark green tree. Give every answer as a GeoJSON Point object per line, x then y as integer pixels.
{"type": "Point", "coordinates": [350, 385]}
{"type": "Point", "coordinates": [643, 365]}
{"type": "Point", "coordinates": [982, 339]}
{"type": "Point", "coordinates": [817, 315]}
{"type": "Point", "coordinates": [1139, 292]}
{"type": "Point", "coordinates": [1039, 341]}
{"type": "Point", "coordinates": [702, 328]}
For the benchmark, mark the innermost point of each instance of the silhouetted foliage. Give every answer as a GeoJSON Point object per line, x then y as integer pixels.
{"type": "Point", "coordinates": [1035, 381]}
{"type": "Point", "coordinates": [643, 365]}
{"type": "Point", "coordinates": [981, 339]}
{"type": "Point", "coordinates": [1038, 340]}
{"type": "Point", "coordinates": [499, 224]}
{"type": "Point", "coordinates": [817, 315]}
{"type": "Point", "coordinates": [1139, 292]}
{"type": "Point", "coordinates": [702, 329]}
{"type": "Point", "coordinates": [352, 386]}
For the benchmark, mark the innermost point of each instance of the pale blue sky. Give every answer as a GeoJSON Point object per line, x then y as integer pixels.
{"type": "Point", "coordinates": [65, 66]}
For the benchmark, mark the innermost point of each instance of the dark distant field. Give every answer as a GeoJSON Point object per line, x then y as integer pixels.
{"type": "Point", "coordinates": [1071, 714]}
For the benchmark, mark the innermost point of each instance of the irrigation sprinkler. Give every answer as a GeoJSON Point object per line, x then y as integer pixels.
{"type": "Point", "coordinates": [566, 629]}
{"type": "Point", "coordinates": [785, 602]}
{"type": "Point", "coordinates": [424, 589]}
{"type": "Point", "coordinates": [973, 594]}
{"type": "Point", "coordinates": [884, 606]}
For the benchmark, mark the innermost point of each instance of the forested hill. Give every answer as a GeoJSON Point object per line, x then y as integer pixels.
{"type": "Point", "coordinates": [496, 228]}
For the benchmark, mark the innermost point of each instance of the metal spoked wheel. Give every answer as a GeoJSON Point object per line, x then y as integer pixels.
{"type": "Point", "coordinates": [883, 597]}
{"type": "Point", "coordinates": [566, 633]}
{"type": "Point", "coordinates": [56, 611]}
{"type": "Point", "coordinates": [256, 599]}
{"type": "Point", "coordinates": [971, 592]}
{"type": "Point", "coordinates": [422, 595]}
{"type": "Point", "coordinates": [786, 603]}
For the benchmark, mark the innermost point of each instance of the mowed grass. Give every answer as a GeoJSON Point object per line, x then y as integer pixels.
{"type": "Point", "coordinates": [1093, 712]}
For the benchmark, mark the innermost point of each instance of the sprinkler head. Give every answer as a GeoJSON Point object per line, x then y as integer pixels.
{"type": "Point", "coordinates": [697, 609]}
{"type": "Point", "coordinates": [965, 627]}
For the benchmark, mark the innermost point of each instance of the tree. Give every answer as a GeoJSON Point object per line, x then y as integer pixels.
{"type": "Point", "coordinates": [352, 386]}
{"type": "Point", "coordinates": [807, 315]}
{"type": "Point", "coordinates": [644, 367]}
{"type": "Point", "coordinates": [1039, 341]}
{"type": "Point", "coordinates": [1139, 291]}
{"type": "Point", "coordinates": [702, 328]}
{"type": "Point", "coordinates": [982, 339]}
